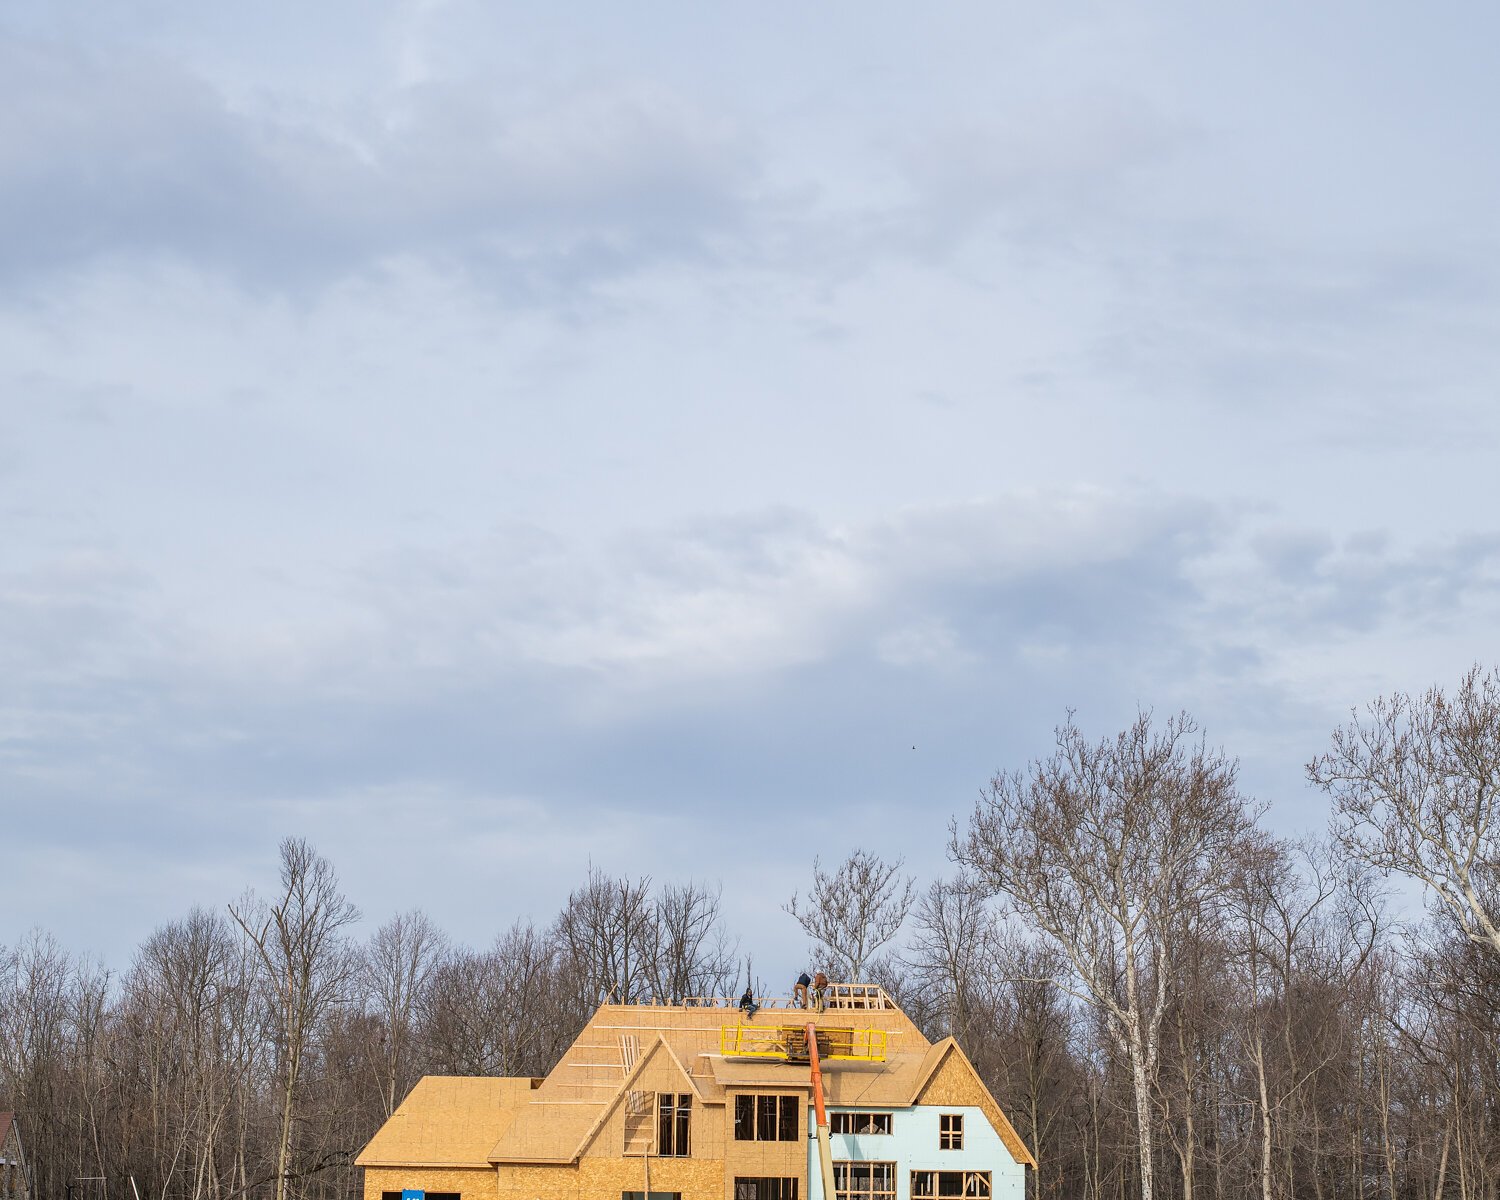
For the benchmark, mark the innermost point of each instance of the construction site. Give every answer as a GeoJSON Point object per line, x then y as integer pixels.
{"type": "Point", "coordinates": [708, 1100]}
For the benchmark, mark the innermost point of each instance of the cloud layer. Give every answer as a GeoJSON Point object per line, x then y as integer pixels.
{"type": "Point", "coordinates": [469, 435]}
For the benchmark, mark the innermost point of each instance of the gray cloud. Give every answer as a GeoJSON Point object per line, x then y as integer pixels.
{"type": "Point", "coordinates": [468, 433]}
{"type": "Point", "coordinates": [532, 698]}
{"type": "Point", "coordinates": [128, 156]}
{"type": "Point", "coordinates": [481, 662]}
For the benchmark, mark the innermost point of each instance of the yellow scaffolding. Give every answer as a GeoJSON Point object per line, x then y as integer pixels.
{"type": "Point", "coordinates": [789, 1043]}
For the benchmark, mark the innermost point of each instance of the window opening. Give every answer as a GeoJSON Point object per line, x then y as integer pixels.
{"type": "Point", "coordinates": [936, 1185]}
{"type": "Point", "coordinates": [768, 1188]}
{"type": "Point", "coordinates": [864, 1180]}
{"type": "Point", "coordinates": [766, 1118]}
{"type": "Point", "coordinates": [860, 1122]}
{"type": "Point", "coordinates": [950, 1131]}
{"type": "Point", "coordinates": [672, 1113]}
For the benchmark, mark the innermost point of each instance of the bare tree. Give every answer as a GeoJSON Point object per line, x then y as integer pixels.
{"type": "Point", "coordinates": [308, 967]}
{"type": "Point", "coordinates": [949, 961]}
{"type": "Point", "coordinates": [686, 949]}
{"type": "Point", "coordinates": [398, 966]}
{"type": "Point", "coordinates": [853, 912]}
{"type": "Point", "coordinates": [1416, 789]}
{"type": "Point", "coordinates": [508, 1010]}
{"type": "Point", "coordinates": [1101, 848]}
{"type": "Point", "coordinates": [605, 927]}
{"type": "Point", "coordinates": [1274, 940]}
{"type": "Point", "coordinates": [1019, 1035]}
{"type": "Point", "coordinates": [37, 1056]}
{"type": "Point", "coordinates": [186, 1012]}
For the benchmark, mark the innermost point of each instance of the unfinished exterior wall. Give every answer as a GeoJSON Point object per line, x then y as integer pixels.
{"type": "Point", "coordinates": [470, 1183]}
{"type": "Point", "coordinates": [757, 1159]}
{"type": "Point", "coordinates": [914, 1144]}
{"type": "Point", "coordinates": [661, 1074]}
{"type": "Point", "coordinates": [955, 1083]}
{"type": "Point", "coordinates": [606, 1179]}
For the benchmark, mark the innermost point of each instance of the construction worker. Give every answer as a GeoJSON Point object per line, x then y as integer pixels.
{"type": "Point", "coordinates": [820, 991]}
{"type": "Point", "coordinates": [748, 1005]}
{"type": "Point", "coordinates": [799, 990]}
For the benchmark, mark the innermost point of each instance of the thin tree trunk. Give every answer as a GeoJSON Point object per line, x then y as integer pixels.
{"type": "Point", "coordinates": [1258, 1058]}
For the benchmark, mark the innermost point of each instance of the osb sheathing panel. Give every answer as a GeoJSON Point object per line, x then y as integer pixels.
{"type": "Point", "coordinates": [766, 1158]}
{"type": "Point", "coordinates": [955, 1082]}
{"type": "Point", "coordinates": [605, 1179]}
{"type": "Point", "coordinates": [558, 1128]}
{"type": "Point", "coordinates": [469, 1184]}
{"type": "Point", "coordinates": [448, 1121]}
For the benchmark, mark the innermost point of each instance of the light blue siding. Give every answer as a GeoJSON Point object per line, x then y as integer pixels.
{"type": "Point", "coordinates": [912, 1145]}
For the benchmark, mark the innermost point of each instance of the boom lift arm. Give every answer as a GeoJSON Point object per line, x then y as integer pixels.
{"type": "Point", "coordinates": [825, 1151]}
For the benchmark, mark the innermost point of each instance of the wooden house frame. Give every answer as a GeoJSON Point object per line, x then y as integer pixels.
{"type": "Point", "coordinates": [697, 1102]}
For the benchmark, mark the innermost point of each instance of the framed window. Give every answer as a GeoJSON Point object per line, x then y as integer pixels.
{"type": "Point", "coordinates": [673, 1111]}
{"type": "Point", "coordinates": [950, 1131]}
{"type": "Point", "coordinates": [859, 1122]}
{"type": "Point", "coordinates": [936, 1185]}
{"type": "Point", "coordinates": [650, 1196]}
{"type": "Point", "coordinates": [864, 1180]}
{"type": "Point", "coordinates": [766, 1118]}
{"type": "Point", "coordinates": [786, 1117]}
{"type": "Point", "coordinates": [765, 1189]}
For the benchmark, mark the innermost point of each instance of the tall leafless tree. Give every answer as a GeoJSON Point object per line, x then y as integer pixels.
{"type": "Point", "coordinates": [948, 964]}
{"type": "Point", "coordinates": [309, 967]}
{"type": "Point", "coordinates": [508, 1010]}
{"type": "Point", "coordinates": [1101, 848]}
{"type": "Point", "coordinates": [607, 927]}
{"type": "Point", "coordinates": [851, 913]}
{"type": "Point", "coordinates": [1415, 784]}
{"type": "Point", "coordinates": [398, 965]}
{"type": "Point", "coordinates": [686, 948]}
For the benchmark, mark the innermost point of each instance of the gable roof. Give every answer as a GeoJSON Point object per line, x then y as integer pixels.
{"type": "Point", "coordinates": [949, 1055]}
{"type": "Point", "coordinates": [447, 1121]}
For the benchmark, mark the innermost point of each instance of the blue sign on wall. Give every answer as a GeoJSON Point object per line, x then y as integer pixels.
{"type": "Point", "coordinates": [413, 1194]}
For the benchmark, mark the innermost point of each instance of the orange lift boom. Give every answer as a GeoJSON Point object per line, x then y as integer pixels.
{"type": "Point", "coordinates": [825, 1151]}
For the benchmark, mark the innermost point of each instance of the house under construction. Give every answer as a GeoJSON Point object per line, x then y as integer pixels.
{"type": "Point", "coordinates": [697, 1102]}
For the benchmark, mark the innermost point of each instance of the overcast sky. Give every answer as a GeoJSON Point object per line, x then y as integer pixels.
{"type": "Point", "coordinates": [486, 438]}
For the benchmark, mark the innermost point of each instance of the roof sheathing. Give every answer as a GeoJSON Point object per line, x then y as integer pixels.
{"type": "Point", "coordinates": [577, 1096]}
{"type": "Point", "coordinates": [447, 1121]}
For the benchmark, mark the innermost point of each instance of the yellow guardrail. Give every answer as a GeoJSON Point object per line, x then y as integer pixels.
{"type": "Point", "coordinates": [782, 1042]}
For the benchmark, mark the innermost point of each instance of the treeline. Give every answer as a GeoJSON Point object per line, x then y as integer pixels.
{"type": "Point", "coordinates": [252, 1052]}
{"type": "Point", "coordinates": [1167, 999]}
